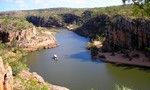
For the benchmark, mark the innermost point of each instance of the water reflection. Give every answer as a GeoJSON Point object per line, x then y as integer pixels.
{"type": "Point", "coordinates": [130, 77]}
{"type": "Point", "coordinates": [75, 68]}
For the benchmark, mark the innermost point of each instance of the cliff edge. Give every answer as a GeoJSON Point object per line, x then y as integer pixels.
{"type": "Point", "coordinates": [6, 78]}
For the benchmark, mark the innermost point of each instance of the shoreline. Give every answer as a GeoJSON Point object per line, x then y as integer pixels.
{"type": "Point", "coordinates": [118, 59]}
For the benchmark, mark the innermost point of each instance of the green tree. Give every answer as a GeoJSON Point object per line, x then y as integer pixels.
{"type": "Point", "coordinates": [141, 7]}
{"type": "Point", "coordinates": [124, 2]}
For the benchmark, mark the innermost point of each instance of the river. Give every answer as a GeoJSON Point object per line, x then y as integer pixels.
{"type": "Point", "coordinates": [77, 71]}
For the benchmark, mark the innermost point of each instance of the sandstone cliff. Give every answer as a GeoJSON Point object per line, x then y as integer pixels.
{"type": "Point", "coordinates": [6, 78]}
{"type": "Point", "coordinates": [60, 19]}
{"type": "Point", "coordinates": [9, 36]}
{"type": "Point", "coordinates": [29, 39]}
{"type": "Point", "coordinates": [120, 32]}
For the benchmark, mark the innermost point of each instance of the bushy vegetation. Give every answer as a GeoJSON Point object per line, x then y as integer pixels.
{"type": "Point", "coordinates": [2, 46]}
{"type": "Point", "coordinates": [31, 84]}
{"type": "Point", "coordinates": [124, 10]}
{"type": "Point", "coordinates": [147, 49]}
{"type": "Point", "coordinates": [94, 51]}
{"type": "Point", "coordinates": [59, 17]}
{"type": "Point", "coordinates": [14, 24]}
{"type": "Point", "coordinates": [17, 67]}
{"type": "Point", "coordinates": [50, 17]}
{"type": "Point", "coordinates": [99, 38]}
{"type": "Point", "coordinates": [117, 87]}
{"type": "Point", "coordinates": [12, 56]}
{"type": "Point", "coordinates": [141, 8]}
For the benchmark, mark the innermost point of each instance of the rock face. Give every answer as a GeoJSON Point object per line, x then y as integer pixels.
{"type": "Point", "coordinates": [9, 36]}
{"type": "Point", "coordinates": [120, 32]}
{"type": "Point", "coordinates": [60, 20]}
{"type": "Point", "coordinates": [28, 75]}
{"type": "Point", "coordinates": [6, 78]}
{"type": "Point", "coordinates": [43, 40]}
{"type": "Point", "coordinates": [41, 21]}
{"type": "Point", "coordinates": [29, 39]}
{"type": "Point", "coordinates": [127, 33]}
{"type": "Point", "coordinates": [94, 26]}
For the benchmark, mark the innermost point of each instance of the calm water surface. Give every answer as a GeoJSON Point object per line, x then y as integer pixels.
{"type": "Point", "coordinates": [77, 71]}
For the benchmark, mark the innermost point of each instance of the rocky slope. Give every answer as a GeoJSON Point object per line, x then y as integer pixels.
{"type": "Point", "coordinates": [120, 32]}
{"type": "Point", "coordinates": [17, 37]}
{"type": "Point", "coordinates": [60, 19]}
{"type": "Point", "coordinates": [7, 81]}
{"type": "Point", "coordinates": [29, 39]}
{"type": "Point", "coordinates": [6, 78]}
{"type": "Point", "coordinates": [27, 76]}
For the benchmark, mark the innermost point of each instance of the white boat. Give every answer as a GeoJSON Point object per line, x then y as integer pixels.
{"type": "Point", "coordinates": [55, 57]}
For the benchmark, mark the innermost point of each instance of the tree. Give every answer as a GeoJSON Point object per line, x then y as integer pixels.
{"type": "Point", "coordinates": [124, 2]}
{"type": "Point", "coordinates": [141, 7]}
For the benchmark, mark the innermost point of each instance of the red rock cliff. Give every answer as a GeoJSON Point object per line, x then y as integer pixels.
{"type": "Point", "coordinates": [6, 78]}
{"type": "Point", "coordinates": [120, 32]}
{"type": "Point", "coordinates": [30, 39]}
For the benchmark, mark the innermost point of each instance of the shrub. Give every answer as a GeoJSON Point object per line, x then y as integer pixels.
{"type": "Point", "coordinates": [32, 84]}
{"type": "Point", "coordinates": [14, 24]}
{"type": "Point", "coordinates": [2, 46]}
{"type": "Point", "coordinates": [89, 45]}
{"type": "Point", "coordinates": [147, 49]}
{"type": "Point", "coordinates": [17, 67]}
{"type": "Point", "coordinates": [29, 84]}
{"type": "Point", "coordinates": [94, 51]}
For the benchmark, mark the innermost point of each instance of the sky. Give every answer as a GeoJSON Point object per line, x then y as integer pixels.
{"type": "Point", "coordinates": [8, 5]}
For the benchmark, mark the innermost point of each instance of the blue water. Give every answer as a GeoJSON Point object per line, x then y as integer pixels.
{"type": "Point", "coordinates": [77, 71]}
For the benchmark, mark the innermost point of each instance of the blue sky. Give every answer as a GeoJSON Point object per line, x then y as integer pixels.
{"type": "Point", "coordinates": [7, 5]}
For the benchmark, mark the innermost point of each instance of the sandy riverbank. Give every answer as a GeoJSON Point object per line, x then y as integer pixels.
{"type": "Point", "coordinates": [118, 58]}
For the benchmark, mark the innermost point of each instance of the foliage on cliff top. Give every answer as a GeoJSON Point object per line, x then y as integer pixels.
{"type": "Point", "coordinates": [14, 24]}
{"type": "Point", "coordinates": [141, 7]}
{"type": "Point", "coordinates": [125, 10]}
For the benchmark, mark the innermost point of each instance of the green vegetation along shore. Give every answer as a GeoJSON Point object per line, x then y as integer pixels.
{"type": "Point", "coordinates": [113, 29]}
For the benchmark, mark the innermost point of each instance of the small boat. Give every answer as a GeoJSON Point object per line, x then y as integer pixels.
{"type": "Point", "coordinates": [55, 57]}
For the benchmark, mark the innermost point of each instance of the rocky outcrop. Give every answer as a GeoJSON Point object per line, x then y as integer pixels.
{"type": "Point", "coordinates": [28, 75]}
{"type": "Point", "coordinates": [9, 36]}
{"type": "Point", "coordinates": [29, 39]}
{"type": "Point", "coordinates": [62, 20]}
{"type": "Point", "coordinates": [43, 40]}
{"type": "Point", "coordinates": [6, 78]}
{"type": "Point", "coordinates": [69, 18]}
{"type": "Point", "coordinates": [120, 32]}
{"type": "Point", "coordinates": [94, 26]}
{"type": "Point", "coordinates": [45, 21]}
{"type": "Point", "coordinates": [126, 33]}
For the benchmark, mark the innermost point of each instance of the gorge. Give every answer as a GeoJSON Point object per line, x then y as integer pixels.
{"type": "Point", "coordinates": [76, 70]}
{"type": "Point", "coordinates": [117, 32]}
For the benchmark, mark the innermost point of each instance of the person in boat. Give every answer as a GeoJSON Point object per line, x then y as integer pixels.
{"type": "Point", "coordinates": [55, 57]}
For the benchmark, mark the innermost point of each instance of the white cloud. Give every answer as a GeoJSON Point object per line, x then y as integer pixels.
{"type": "Point", "coordinates": [60, 1]}
{"type": "Point", "coordinates": [21, 3]}
{"type": "Point", "coordinates": [73, 1]}
{"type": "Point", "coordinates": [38, 1]}
{"type": "Point", "coordinates": [6, 0]}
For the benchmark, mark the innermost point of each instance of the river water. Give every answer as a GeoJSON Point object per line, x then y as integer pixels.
{"type": "Point", "coordinates": [77, 71]}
